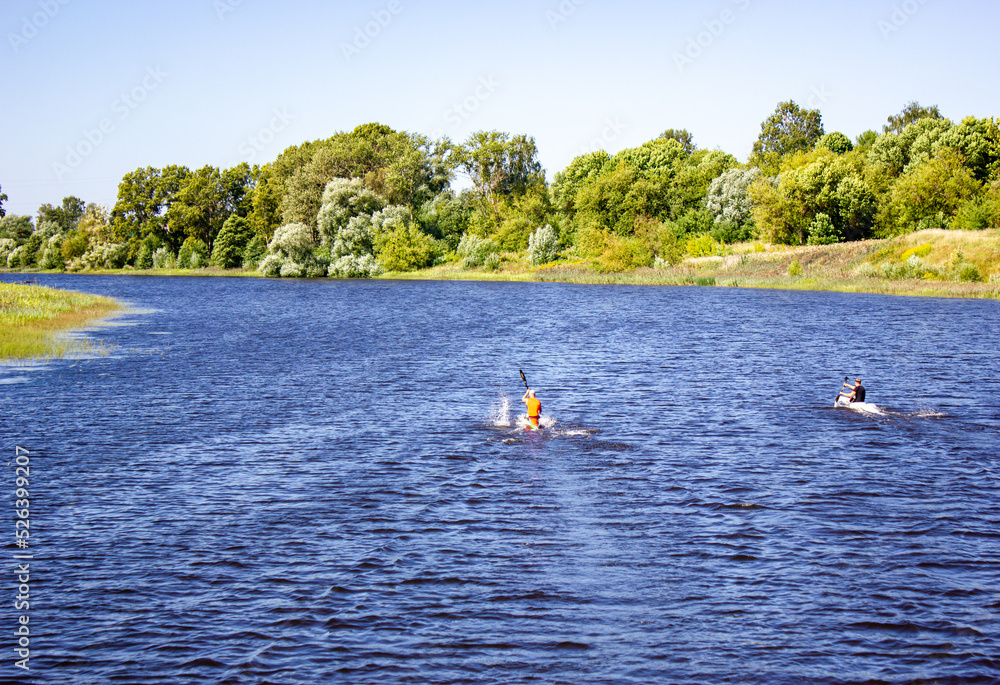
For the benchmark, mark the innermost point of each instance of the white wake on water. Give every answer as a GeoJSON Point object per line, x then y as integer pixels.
{"type": "Point", "coordinates": [499, 415]}
{"type": "Point", "coordinates": [864, 407]}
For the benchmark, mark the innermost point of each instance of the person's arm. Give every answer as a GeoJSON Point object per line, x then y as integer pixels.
{"type": "Point", "coordinates": [524, 397]}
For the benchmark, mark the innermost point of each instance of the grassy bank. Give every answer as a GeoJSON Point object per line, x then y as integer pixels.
{"type": "Point", "coordinates": [935, 263]}
{"type": "Point", "coordinates": [31, 318]}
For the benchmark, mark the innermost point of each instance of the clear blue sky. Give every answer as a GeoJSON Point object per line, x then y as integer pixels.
{"type": "Point", "coordinates": [198, 82]}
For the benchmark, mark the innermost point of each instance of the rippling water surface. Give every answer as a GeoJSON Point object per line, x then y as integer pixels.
{"type": "Point", "coordinates": [320, 481]}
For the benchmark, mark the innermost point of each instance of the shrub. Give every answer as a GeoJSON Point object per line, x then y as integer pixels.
{"type": "Point", "coordinates": [74, 246]}
{"type": "Point", "coordinates": [352, 266]}
{"type": "Point", "coordinates": [974, 214]}
{"type": "Point", "coordinates": [404, 248]}
{"type": "Point", "coordinates": [163, 258]}
{"type": "Point", "coordinates": [193, 254]}
{"type": "Point", "coordinates": [823, 232]}
{"type": "Point", "coordinates": [795, 268]}
{"type": "Point", "coordinates": [293, 242]}
{"type": "Point", "coordinates": [702, 246]}
{"type": "Point", "coordinates": [613, 253]}
{"type": "Point", "coordinates": [543, 245]}
{"type": "Point", "coordinates": [866, 270]}
{"type": "Point", "coordinates": [475, 250]}
{"type": "Point", "coordinates": [728, 232]}
{"type": "Point", "coordinates": [101, 256]}
{"type": "Point", "coordinates": [913, 267]}
{"type": "Point", "coordinates": [969, 273]}
{"type": "Point", "coordinates": [492, 262]}
{"type": "Point", "coordinates": [50, 255]}
{"type": "Point", "coordinates": [144, 259]}
{"type": "Point", "coordinates": [728, 199]}
{"type": "Point", "coordinates": [270, 266]}
{"type": "Point", "coordinates": [292, 270]}
{"type": "Point", "coordinates": [229, 245]}
{"type": "Point", "coordinates": [254, 252]}
{"type": "Point", "coordinates": [7, 245]}
{"type": "Point", "coordinates": [14, 258]}
{"type": "Point", "coordinates": [292, 254]}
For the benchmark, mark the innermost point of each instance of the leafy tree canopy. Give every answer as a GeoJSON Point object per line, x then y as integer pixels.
{"type": "Point", "coordinates": [836, 142]}
{"type": "Point", "coordinates": [912, 113]}
{"type": "Point", "coordinates": [790, 129]}
{"type": "Point", "coordinates": [65, 216]}
{"type": "Point", "coordinates": [682, 136]}
{"type": "Point", "coordinates": [499, 165]}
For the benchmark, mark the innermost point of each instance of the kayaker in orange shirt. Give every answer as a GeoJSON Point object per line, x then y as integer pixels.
{"type": "Point", "coordinates": [534, 407]}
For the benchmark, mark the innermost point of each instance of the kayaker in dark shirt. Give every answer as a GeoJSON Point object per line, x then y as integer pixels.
{"type": "Point", "coordinates": [858, 394]}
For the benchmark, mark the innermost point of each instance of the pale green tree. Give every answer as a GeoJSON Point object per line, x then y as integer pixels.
{"type": "Point", "coordinates": [789, 129]}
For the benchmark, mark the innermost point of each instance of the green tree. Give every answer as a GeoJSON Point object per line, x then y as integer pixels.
{"type": "Point", "coordinates": [66, 216]}
{"type": "Point", "coordinates": [521, 215]}
{"type": "Point", "coordinates": [193, 254]}
{"type": "Point", "coordinates": [790, 129]}
{"type": "Point", "coordinates": [836, 142]}
{"type": "Point", "coordinates": [581, 171]}
{"type": "Point", "coordinates": [199, 207]}
{"type": "Point", "coordinates": [499, 166]}
{"type": "Point", "coordinates": [978, 141]}
{"type": "Point", "coordinates": [238, 184]}
{"type": "Point", "coordinates": [810, 184]}
{"type": "Point", "coordinates": [265, 200]}
{"type": "Point", "coordinates": [823, 232]}
{"type": "Point", "coordinates": [911, 113]}
{"type": "Point", "coordinates": [404, 168]}
{"type": "Point", "coordinates": [3, 198]}
{"type": "Point", "coordinates": [403, 248]}
{"type": "Point", "coordinates": [693, 179]}
{"type": "Point", "coordinates": [144, 195]}
{"type": "Point", "coordinates": [345, 199]}
{"type": "Point", "coordinates": [727, 200]}
{"type": "Point", "coordinates": [17, 228]}
{"type": "Point", "coordinates": [930, 194]}
{"type": "Point", "coordinates": [866, 139]}
{"type": "Point", "coordinates": [255, 251]}
{"type": "Point", "coordinates": [682, 136]}
{"type": "Point", "coordinates": [231, 243]}
{"type": "Point", "coordinates": [445, 217]}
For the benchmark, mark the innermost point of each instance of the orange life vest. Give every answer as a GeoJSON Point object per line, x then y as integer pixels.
{"type": "Point", "coordinates": [534, 407]}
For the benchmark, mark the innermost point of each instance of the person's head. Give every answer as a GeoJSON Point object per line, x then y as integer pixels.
{"type": "Point", "coordinates": [857, 381]}
{"type": "Point", "coordinates": [531, 393]}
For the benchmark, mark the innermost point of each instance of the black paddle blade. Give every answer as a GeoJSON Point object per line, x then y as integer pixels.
{"type": "Point", "coordinates": [523, 379]}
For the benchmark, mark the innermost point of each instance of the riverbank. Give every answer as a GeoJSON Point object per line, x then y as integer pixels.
{"type": "Point", "coordinates": [929, 263]}
{"type": "Point", "coordinates": [932, 263]}
{"type": "Point", "coordinates": [33, 317]}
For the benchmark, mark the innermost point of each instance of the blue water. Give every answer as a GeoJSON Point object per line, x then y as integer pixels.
{"type": "Point", "coordinates": [326, 481]}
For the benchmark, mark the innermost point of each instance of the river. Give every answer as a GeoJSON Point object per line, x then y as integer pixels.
{"type": "Point", "coordinates": [267, 481]}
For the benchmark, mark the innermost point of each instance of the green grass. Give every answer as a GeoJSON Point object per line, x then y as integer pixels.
{"type": "Point", "coordinates": [32, 317]}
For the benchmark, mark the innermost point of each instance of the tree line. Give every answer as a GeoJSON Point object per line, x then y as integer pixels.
{"type": "Point", "coordinates": [375, 199]}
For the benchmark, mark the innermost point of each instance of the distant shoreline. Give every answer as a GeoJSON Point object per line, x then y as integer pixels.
{"type": "Point", "coordinates": [923, 264]}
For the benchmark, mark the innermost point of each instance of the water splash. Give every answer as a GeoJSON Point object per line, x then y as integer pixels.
{"type": "Point", "coordinates": [499, 415]}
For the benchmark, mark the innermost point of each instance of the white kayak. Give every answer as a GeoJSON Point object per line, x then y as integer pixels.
{"type": "Point", "coordinates": [866, 407]}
